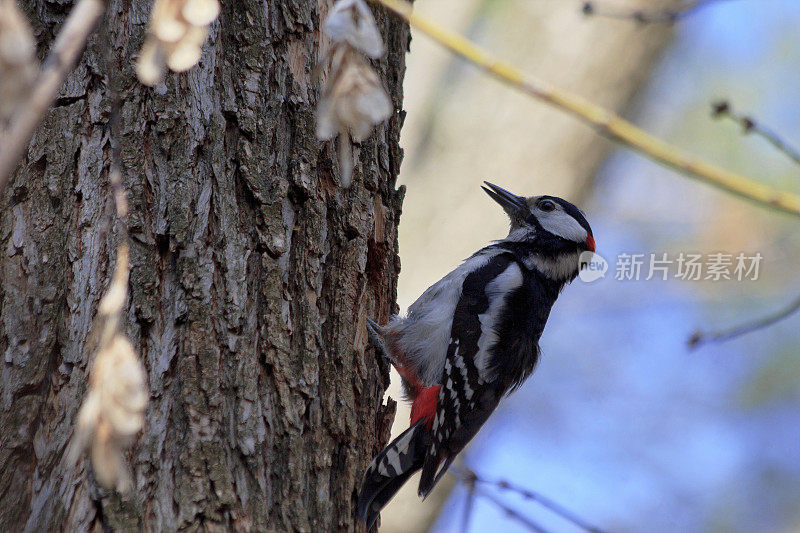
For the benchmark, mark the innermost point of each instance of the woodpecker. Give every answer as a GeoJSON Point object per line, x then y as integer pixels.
{"type": "Point", "coordinates": [472, 338]}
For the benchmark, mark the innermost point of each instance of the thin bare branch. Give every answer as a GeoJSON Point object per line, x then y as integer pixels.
{"type": "Point", "coordinates": [510, 511]}
{"type": "Point", "coordinates": [666, 15]}
{"type": "Point", "coordinates": [468, 480]}
{"type": "Point", "coordinates": [63, 57]}
{"type": "Point", "coordinates": [18, 63]}
{"type": "Point", "coordinates": [604, 121]}
{"type": "Point", "coordinates": [699, 337]}
{"type": "Point", "coordinates": [723, 109]}
{"type": "Point", "coordinates": [115, 169]}
{"type": "Point", "coordinates": [544, 502]}
{"type": "Point", "coordinates": [473, 483]}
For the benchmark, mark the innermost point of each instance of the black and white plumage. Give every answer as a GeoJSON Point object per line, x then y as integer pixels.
{"type": "Point", "coordinates": [473, 337]}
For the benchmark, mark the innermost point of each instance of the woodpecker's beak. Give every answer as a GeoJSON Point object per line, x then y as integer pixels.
{"type": "Point", "coordinates": [514, 205]}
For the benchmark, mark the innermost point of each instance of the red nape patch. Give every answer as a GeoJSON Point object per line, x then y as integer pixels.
{"type": "Point", "coordinates": [424, 406]}
{"type": "Point", "coordinates": [590, 243]}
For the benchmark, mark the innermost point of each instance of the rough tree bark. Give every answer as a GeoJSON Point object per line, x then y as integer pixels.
{"type": "Point", "coordinates": [252, 275]}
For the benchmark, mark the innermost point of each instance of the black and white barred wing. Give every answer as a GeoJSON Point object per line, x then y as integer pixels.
{"type": "Point", "coordinates": [469, 392]}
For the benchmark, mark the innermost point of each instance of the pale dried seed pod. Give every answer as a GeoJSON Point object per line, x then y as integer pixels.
{"type": "Point", "coordinates": [354, 100]}
{"type": "Point", "coordinates": [185, 54]}
{"type": "Point", "coordinates": [152, 62]}
{"type": "Point", "coordinates": [351, 21]}
{"type": "Point", "coordinates": [123, 388]}
{"type": "Point", "coordinates": [166, 22]}
{"type": "Point", "coordinates": [108, 463]}
{"type": "Point", "coordinates": [178, 29]}
{"type": "Point", "coordinates": [200, 12]}
{"type": "Point", "coordinates": [112, 413]}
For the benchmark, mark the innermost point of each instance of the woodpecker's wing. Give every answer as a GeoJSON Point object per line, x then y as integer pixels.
{"type": "Point", "coordinates": [469, 390]}
{"type": "Point", "coordinates": [421, 339]}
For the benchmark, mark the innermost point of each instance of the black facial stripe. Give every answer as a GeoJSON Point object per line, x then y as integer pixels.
{"type": "Point", "coordinates": [533, 221]}
{"type": "Point", "coordinates": [572, 211]}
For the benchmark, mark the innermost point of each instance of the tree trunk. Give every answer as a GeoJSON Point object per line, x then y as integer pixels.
{"type": "Point", "coordinates": [252, 276]}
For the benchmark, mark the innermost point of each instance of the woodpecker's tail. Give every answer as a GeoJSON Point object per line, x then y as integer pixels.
{"type": "Point", "coordinates": [433, 469]}
{"type": "Point", "coordinates": [390, 470]}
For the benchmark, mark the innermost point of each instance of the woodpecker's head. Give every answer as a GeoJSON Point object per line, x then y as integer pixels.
{"type": "Point", "coordinates": [553, 225]}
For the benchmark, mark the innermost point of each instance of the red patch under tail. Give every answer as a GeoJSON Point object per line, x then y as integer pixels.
{"type": "Point", "coordinates": [424, 406]}
{"type": "Point", "coordinates": [415, 386]}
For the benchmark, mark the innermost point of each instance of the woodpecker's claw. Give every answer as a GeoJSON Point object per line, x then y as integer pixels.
{"type": "Point", "coordinates": [376, 340]}
{"type": "Point", "coordinates": [374, 327]}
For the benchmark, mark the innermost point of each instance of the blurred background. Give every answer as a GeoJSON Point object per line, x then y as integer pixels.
{"type": "Point", "coordinates": [621, 423]}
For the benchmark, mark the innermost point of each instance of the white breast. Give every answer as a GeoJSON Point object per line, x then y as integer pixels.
{"type": "Point", "coordinates": [424, 335]}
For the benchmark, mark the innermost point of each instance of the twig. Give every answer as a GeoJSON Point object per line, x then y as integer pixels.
{"type": "Point", "coordinates": [668, 15]}
{"type": "Point", "coordinates": [62, 59]}
{"type": "Point", "coordinates": [112, 411]}
{"type": "Point", "coordinates": [607, 123]}
{"type": "Point", "coordinates": [118, 192]}
{"type": "Point", "coordinates": [469, 480]}
{"type": "Point", "coordinates": [723, 109]}
{"type": "Point", "coordinates": [115, 167]}
{"type": "Point", "coordinates": [511, 512]}
{"type": "Point", "coordinates": [473, 482]}
{"type": "Point", "coordinates": [544, 502]}
{"type": "Point", "coordinates": [699, 337]}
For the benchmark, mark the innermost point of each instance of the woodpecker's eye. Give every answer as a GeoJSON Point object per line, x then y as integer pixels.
{"type": "Point", "coordinates": [547, 205]}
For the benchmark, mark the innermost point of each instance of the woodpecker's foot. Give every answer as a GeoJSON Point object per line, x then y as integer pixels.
{"type": "Point", "coordinates": [376, 340]}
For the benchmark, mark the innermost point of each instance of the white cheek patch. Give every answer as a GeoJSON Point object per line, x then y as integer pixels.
{"type": "Point", "coordinates": [562, 224]}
